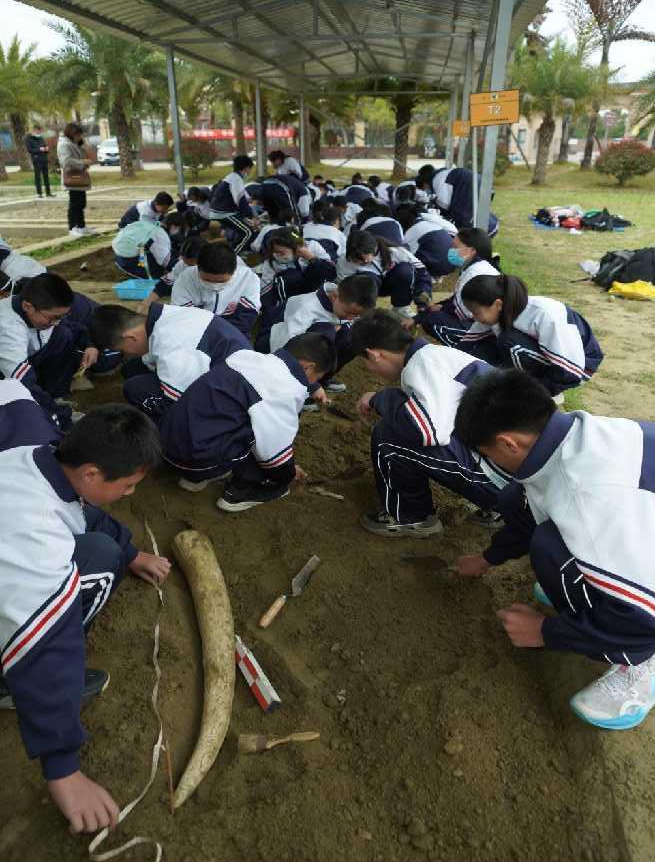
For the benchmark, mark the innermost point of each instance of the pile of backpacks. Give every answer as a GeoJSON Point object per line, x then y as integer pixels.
{"type": "Point", "coordinates": [626, 273]}
{"type": "Point", "coordinates": [574, 217]}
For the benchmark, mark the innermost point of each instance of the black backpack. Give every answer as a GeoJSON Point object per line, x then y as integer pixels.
{"type": "Point", "coordinates": [625, 266]}
{"type": "Point", "coordinates": [594, 220]}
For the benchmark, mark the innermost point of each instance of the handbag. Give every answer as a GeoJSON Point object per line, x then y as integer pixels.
{"type": "Point", "coordinates": [76, 178]}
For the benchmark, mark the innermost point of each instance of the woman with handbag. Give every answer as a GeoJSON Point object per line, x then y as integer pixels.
{"type": "Point", "coordinates": [74, 163]}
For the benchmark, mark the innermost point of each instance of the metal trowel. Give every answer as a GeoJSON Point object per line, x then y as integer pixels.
{"type": "Point", "coordinates": [299, 582]}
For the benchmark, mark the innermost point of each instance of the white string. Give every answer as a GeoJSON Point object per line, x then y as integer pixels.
{"type": "Point", "coordinates": [157, 748]}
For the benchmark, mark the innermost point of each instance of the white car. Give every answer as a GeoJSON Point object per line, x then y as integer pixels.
{"type": "Point", "coordinates": [107, 153]}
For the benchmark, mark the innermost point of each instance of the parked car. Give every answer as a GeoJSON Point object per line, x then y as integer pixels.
{"type": "Point", "coordinates": [107, 153]}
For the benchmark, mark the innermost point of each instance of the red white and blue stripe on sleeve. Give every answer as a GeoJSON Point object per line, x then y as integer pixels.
{"type": "Point", "coordinates": [422, 420]}
{"type": "Point", "coordinates": [169, 390]}
{"type": "Point", "coordinates": [22, 369]}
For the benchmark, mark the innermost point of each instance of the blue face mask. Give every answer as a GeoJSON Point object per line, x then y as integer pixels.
{"type": "Point", "coordinates": [454, 258]}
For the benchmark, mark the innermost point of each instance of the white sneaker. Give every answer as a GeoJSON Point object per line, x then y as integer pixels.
{"type": "Point", "coordinates": [620, 699]}
{"type": "Point", "coordinates": [76, 232]}
{"type": "Point", "coordinates": [88, 231]}
{"type": "Point", "coordinates": [559, 399]}
{"type": "Point", "coordinates": [188, 485]}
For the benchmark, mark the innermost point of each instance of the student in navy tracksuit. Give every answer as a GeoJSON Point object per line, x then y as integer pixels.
{"type": "Point", "coordinates": [293, 266]}
{"type": "Point", "coordinates": [357, 193]}
{"type": "Point", "coordinates": [377, 219]}
{"type": "Point", "coordinates": [582, 506]}
{"type": "Point", "coordinates": [196, 201]}
{"type": "Point", "coordinates": [230, 204]}
{"type": "Point", "coordinates": [44, 340]}
{"type": "Point", "coordinates": [261, 242]}
{"type": "Point", "coordinates": [153, 211]}
{"type": "Point", "coordinates": [288, 166]}
{"type": "Point", "coordinates": [449, 319]}
{"type": "Point", "coordinates": [384, 192]}
{"type": "Point", "coordinates": [242, 417]}
{"type": "Point", "coordinates": [414, 441]}
{"type": "Point", "coordinates": [61, 559]}
{"type": "Point", "coordinates": [14, 267]}
{"type": "Point", "coordinates": [188, 257]}
{"type": "Point", "coordinates": [284, 192]}
{"type": "Point", "coordinates": [324, 229]}
{"type": "Point", "coordinates": [536, 334]}
{"type": "Point", "coordinates": [429, 236]}
{"type": "Point", "coordinates": [452, 189]}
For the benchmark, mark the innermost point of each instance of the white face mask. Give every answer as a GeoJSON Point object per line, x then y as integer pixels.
{"type": "Point", "coordinates": [281, 261]}
{"type": "Point", "coordinates": [211, 285]}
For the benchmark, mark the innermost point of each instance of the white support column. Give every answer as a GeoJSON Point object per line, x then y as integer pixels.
{"type": "Point", "coordinates": [260, 137]}
{"type": "Point", "coordinates": [466, 90]}
{"type": "Point", "coordinates": [175, 119]}
{"type": "Point", "coordinates": [453, 110]}
{"type": "Point", "coordinates": [497, 82]}
{"type": "Point", "coordinates": [301, 128]}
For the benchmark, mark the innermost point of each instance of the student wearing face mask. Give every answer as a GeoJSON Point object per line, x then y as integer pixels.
{"type": "Point", "coordinates": [261, 242]}
{"type": "Point", "coordinates": [222, 284]}
{"type": "Point", "coordinates": [449, 320]}
{"type": "Point", "coordinates": [293, 266]}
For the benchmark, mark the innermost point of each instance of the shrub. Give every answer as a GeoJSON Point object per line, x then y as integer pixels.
{"type": "Point", "coordinates": [196, 155]}
{"type": "Point", "coordinates": [624, 160]}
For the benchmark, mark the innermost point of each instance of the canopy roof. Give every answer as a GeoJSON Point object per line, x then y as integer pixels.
{"type": "Point", "coordinates": [300, 45]}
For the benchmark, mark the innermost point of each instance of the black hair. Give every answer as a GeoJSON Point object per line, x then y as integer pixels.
{"type": "Point", "coordinates": [241, 162]}
{"type": "Point", "coordinates": [356, 179]}
{"type": "Point", "coordinates": [406, 194]}
{"type": "Point", "coordinates": [408, 214]}
{"type": "Point", "coordinates": [47, 291]}
{"type": "Point", "coordinates": [276, 154]}
{"type": "Point", "coordinates": [116, 438]}
{"type": "Point", "coordinates": [359, 289]}
{"type": "Point", "coordinates": [361, 242]}
{"type": "Point", "coordinates": [426, 172]}
{"type": "Point", "coordinates": [198, 192]}
{"type": "Point", "coordinates": [316, 348]}
{"type": "Point", "coordinates": [502, 401]}
{"type": "Point", "coordinates": [172, 219]}
{"type": "Point", "coordinates": [478, 239]}
{"type": "Point", "coordinates": [109, 323]}
{"type": "Point", "coordinates": [339, 201]}
{"type": "Point", "coordinates": [319, 206]}
{"type": "Point", "coordinates": [163, 199]}
{"type": "Point", "coordinates": [327, 215]}
{"type": "Point", "coordinates": [191, 246]}
{"type": "Point", "coordinates": [287, 237]}
{"type": "Point", "coordinates": [379, 330]}
{"type": "Point", "coordinates": [317, 177]}
{"type": "Point", "coordinates": [371, 208]}
{"type": "Point", "coordinates": [374, 181]}
{"type": "Point", "coordinates": [286, 216]}
{"type": "Point", "coordinates": [486, 289]}
{"type": "Point", "coordinates": [217, 258]}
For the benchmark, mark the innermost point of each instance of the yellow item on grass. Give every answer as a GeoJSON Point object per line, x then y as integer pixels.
{"type": "Point", "coordinates": [633, 290]}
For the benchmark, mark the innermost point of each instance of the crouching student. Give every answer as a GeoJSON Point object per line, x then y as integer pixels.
{"type": "Point", "coordinates": [414, 441]}
{"type": "Point", "coordinates": [260, 244]}
{"type": "Point", "coordinates": [288, 166]}
{"type": "Point", "coordinates": [398, 273]}
{"type": "Point", "coordinates": [283, 192]}
{"type": "Point", "coordinates": [44, 341]}
{"type": "Point", "coordinates": [429, 236]}
{"type": "Point", "coordinates": [241, 417]}
{"type": "Point", "coordinates": [348, 212]}
{"type": "Point", "coordinates": [14, 267]}
{"type": "Point", "coordinates": [142, 249]}
{"type": "Point", "coordinates": [377, 219]}
{"type": "Point", "coordinates": [383, 191]}
{"type": "Point", "coordinates": [62, 558]}
{"type": "Point", "coordinates": [188, 257]}
{"type": "Point", "coordinates": [150, 211]}
{"type": "Point", "coordinates": [230, 204]}
{"type": "Point", "coordinates": [293, 266]}
{"type": "Point", "coordinates": [582, 507]}
{"type": "Point", "coordinates": [324, 229]}
{"type": "Point", "coordinates": [452, 189]}
{"type": "Point", "coordinates": [536, 334]}
{"type": "Point", "coordinates": [221, 283]}
{"type": "Point", "coordinates": [196, 201]}
{"type": "Point", "coordinates": [450, 319]}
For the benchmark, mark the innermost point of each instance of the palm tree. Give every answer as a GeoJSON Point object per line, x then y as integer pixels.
{"type": "Point", "coordinates": [608, 20]}
{"type": "Point", "coordinates": [17, 93]}
{"type": "Point", "coordinates": [643, 106]}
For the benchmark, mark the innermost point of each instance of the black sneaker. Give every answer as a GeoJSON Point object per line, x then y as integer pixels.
{"type": "Point", "coordinates": [95, 682]}
{"type": "Point", "coordinates": [490, 519]}
{"type": "Point", "coordinates": [383, 524]}
{"type": "Point", "coordinates": [236, 499]}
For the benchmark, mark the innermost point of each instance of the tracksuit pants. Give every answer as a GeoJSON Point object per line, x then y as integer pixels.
{"type": "Point", "coordinates": [142, 389]}
{"type": "Point", "coordinates": [403, 474]}
{"type": "Point", "coordinates": [445, 325]}
{"type": "Point", "coordinates": [296, 281]}
{"type": "Point", "coordinates": [102, 564]}
{"type": "Point", "coordinates": [242, 233]}
{"type": "Point", "coordinates": [134, 266]}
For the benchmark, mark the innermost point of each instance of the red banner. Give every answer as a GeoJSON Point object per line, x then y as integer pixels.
{"type": "Point", "coordinates": [228, 134]}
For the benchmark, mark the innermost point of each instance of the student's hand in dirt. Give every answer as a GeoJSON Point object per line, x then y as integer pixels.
{"type": "Point", "coordinates": [523, 625]}
{"type": "Point", "coordinates": [90, 357]}
{"type": "Point", "coordinates": [472, 566]}
{"type": "Point", "coordinates": [364, 404]}
{"type": "Point", "coordinates": [87, 806]}
{"type": "Point", "coordinates": [299, 474]}
{"type": "Point", "coordinates": [319, 395]}
{"type": "Point", "coordinates": [153, 569]}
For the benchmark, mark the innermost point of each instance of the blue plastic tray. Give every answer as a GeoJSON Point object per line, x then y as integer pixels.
{"type": "Point", "coordinates": [135, 288]}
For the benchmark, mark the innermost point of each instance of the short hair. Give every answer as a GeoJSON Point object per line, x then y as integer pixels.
{"type": "Point", "coordinates": [72, 129]}
{"type": "Point", "coordinates": [317, 177]}
{"type": "Point", "coordinates": [217, 258]}
{"type": "Point", "coordinates": [316, 348]}
{"type": "Point", "coordinates": [407, 214]}
{"type": "Point", "coordinates": [241, 162]}
{"type": "Point", "coordinates": [163, 199]}
{"type": "Point", "coordinates": [174, 218]}
{"type": "Point", "coordinates": [478, 239]}
{"type": "Point", "coordinates": [379, 330]}
{"type": "Point", "coordinates": [109, 323]}
{"type": "Point", "coordinates": [339, 201]}
{"type": "Point", "coordinates": [286, 215]}
{"type": "Point", "coordinates": [47, 291]}
{"type": "Point", "coordinates": [374, 181]}
{"type": "Point", "coordinates": [191, 246]}
{"type": "Point", "coordinates": [502, 401]}
{"type": "Point", "coordinates": [359, 289]}
{"type": "Point", "coordinates": [327, 214]}
{"type": "Point", "coordinates": [116, 438]}
{"type": "Point", "coordinates": [276, 154]}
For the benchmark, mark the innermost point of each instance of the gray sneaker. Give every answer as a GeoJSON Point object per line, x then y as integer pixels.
{"type": "Point", "coordinates": [490, 519]}
{"type": "Point", "coordinates": [335, 386]}
{"type": "Point", "coordinates": [383, 524]}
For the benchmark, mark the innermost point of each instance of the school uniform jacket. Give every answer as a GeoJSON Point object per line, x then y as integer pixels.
{"type": "Point", "coordinates": [16, 266]}
{"type": "Point", "coordinates": [423, 410]}
{"type": "Point", "coordinates": [427, 223]}
{"type": "Point", "coordinates": [330, 238]}
{"type": "Point", "coordinates": [248, 404]}
{"type": "Point", "coordinates": [564, 338]}
{"type": "Point", "coordinates": [384, 192]}
{"type": "Point", "coordinates": [287, 190]}
{"type": "Point", "coordinates": [185, 342]}
{"type": "Point", "coordinates": [292, 167]}
{"type": "Point", "coordinates": [260, 243]}
{"type": "Point", "coordinates": [309, 312]}
{"type": "Point", "coordinates": [356, 194]}
{"type": "Point", "coordinates": [41, 624]}
{"type": "Point", "coordinates": [386, 227]}
{"type": "Point", "coordinates": [398, 255]}
{"type": "Point", "coordinates": [350, 216]}
{"type": "Point", "coordinates": [229, 197]}
{"type": "Point", "coordinates": [237, 301]}
{"type": "Point", "coordinates": [593, 477]}
{"type": "Point", "coordinates": [142, 211]}
{"type": "Point", "coordinates": [271, 268]}
{"type": "Point", "coordinates": [454, 303]}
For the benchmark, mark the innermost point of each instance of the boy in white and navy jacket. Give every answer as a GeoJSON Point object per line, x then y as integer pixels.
{"type": "Point", "coordinates": [221, 283]}
{"type": "Point", "coordinates": [241, 417]}
{"type": "Point", "coordinates": [414, 441]}
{"type": "Point", "coordinates": [14, 267]}
{"type": "Point", "coordinates": [582, 506]}
{"type": "Point", "coordinates": [61, 559]}
{"type": "Point", "coordinates": [288, 166]}
{"type": "Point", "coordinates": [154, 210]}
{"type": "Point", "coordinates": [230, 204]}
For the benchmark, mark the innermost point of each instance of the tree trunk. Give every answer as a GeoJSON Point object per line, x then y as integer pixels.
{"type": "Point", "coordinates": [137, 137]}
{"type": "Point", "coordinates": [124, 139]}
{"type": "Point", "coordinates": [19, 131]}
{"type": "Point", "coordinates": [3, 170]}
{"type": "Point", "coordinates": [564, 138]}
{"type": "Point", "coordinates": [238, 116]}
{"type": "Point", "coordinates": [596, 105]}
{"type": "Point", "coordinates": [403, 106]}
{"type": "Point", "coordinates": [545, 137]}
{"type": "Point", "coordinates": [314, 138]}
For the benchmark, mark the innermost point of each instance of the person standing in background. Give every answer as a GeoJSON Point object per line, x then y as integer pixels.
{"type": "Point", "coordinates": [73, 160]}
{"type": "Point", "coordinates": [38, 149]}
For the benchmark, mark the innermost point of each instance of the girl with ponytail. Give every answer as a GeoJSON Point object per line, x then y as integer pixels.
{"type": "Point", "coordinates": [536, 334]}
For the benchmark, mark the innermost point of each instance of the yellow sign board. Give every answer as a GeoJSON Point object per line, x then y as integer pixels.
{"type": "Point", "coordinates": [494, 109]}
{"type": "Point", "coordinates": [460, 128]}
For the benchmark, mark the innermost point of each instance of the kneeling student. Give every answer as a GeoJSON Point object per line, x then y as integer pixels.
{"type": "Point", "coordinates": [293, 266]}
{"type": "Point", "coordinates": [221, 283]}
{"type": "Point", "coordinates": [170, 347]}
{"type": "Point", "coordinates": [414, 441]}
{"type": "Point", "coordinates": [536, 334]}
{"type": "Point", "coordinates": [241, 417]}
{"type": "Point", "coordinates": [151, 211]}
{"type": "Point", "coordinates": [188, 257]}
{"type": "Point", "coordinates": [582, 506]}
{"type": "Point", "coordinates": [61, 559]}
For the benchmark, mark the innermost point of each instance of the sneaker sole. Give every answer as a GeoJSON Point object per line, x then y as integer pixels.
{"type": "Point", "coordinates": [623, 722]}
{"type": "Point", "coordinates": [226, 506]}
{"type": "Point", "coordinates": [195, 488]}
{"type": "Point", "coordinates": [540, 596]}
{"type": "Point", "coordinates": [402, 532]}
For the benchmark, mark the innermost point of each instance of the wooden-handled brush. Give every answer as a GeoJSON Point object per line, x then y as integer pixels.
{"type": "Point", "coordinates": [252, 743]}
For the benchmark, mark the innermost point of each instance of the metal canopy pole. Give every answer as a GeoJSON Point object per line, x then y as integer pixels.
{"type": "Point", "coordinates": [260, 155]}
{"type": "Point", "coordinates": [453, 110]}
{"type": "Point", "coordinates": [301, 128]}
{"type": "Point", "coordinates": [466, 91]}
{"type": "Point", "coordinates": [497, 82]}
{"type": "Point", "coordinates": [175, 119]}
